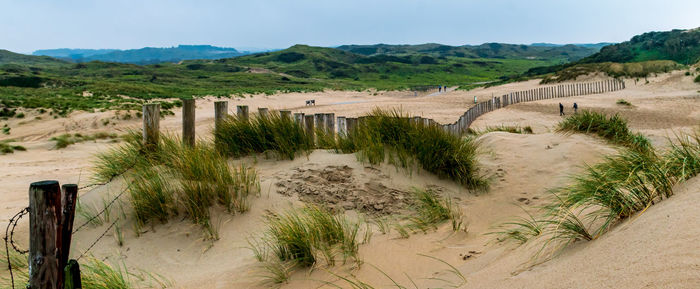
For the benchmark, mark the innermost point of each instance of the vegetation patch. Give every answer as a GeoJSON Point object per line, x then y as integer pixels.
{"type": "Point", "coordinates": [6, 147]}
{"type": "Point", "coordinates": [174, 178]}
{"type": "Point", "coordinates": [606, 194]}
{"type": "Point", "coordinates": [613, 128]}
{"type": "Point", "coordinates": [389, 135]}
{"type": "Point", "coordinates": [503, 128]}
{"type": "Point", "coordinates": [64, 140]}
{"type": "Point", "coordinates": [303, 238]}
{"type": "Point", "coordinates": [623, 102]}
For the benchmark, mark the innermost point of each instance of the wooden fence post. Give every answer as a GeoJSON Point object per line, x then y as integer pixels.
{"type": "Point", "coordinates": [263, 111]}
{"type": "Point", "coordinates": [351, 124]}
{"type": "Point", "coordinates": [69, 199]}
{"type": "Point", "coordinates": [330, 123]}
{"type": "Point", "coordinates": [309, 125]}
{"type": "Point", "coordinates": [151, 125]}
{"type": "Point", "coordinates": [299, 117]}
{"type": "Point", "coordinates": [342, 126]}
{"type": "Point", "coordinates": [242, 112]}
{"type": "Point", "coordinates": [188, 106]}
{"type": "Point", "coordinates": [220, 113]}
{"type": "Point", "coordinates": [72, 276]}
{"type": "Point", "coordinates": [320, 123]}
{"type": "Point", "coordinates": [286, 113]}
{"type": "Point", "coordinates": [44, 235]}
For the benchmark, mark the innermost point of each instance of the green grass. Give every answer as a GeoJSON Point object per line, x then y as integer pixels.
{"type": "Point", "coordinates": [635, 69]}
{"type": "Point", "coordinates": [503, 128]}
{"type": "Point", "coordinates": [391, 136]}
{"type": "Point", "coordinates": [6, 147]}
{"type": "Point", "coordinates": [620, 187]}
{"type": "Point", "coordinates": [613, 128]}
{"type": "Point", "coordinates": [432, 210]}
{"type": "Point", "coordinates": [95, 274]}
{"type": "Point", "coordinates": [623, 102]}
{"type": "Point", "coordinates": [174, 178]}
{"type": "Point", "coordinates": [239, 137]}
{"type": "Point", "coordinates": [64, 140]}
{"type": "Point", "coordinates": [303, 238]}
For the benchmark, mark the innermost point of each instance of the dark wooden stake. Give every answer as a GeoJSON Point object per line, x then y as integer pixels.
{"type": "Point", "coordinates": [242, 112]}
{"type": "Point", "coordinates": [44, 240]}
{"type": "Point", "coordinates": [69, 199]}
{"type": "Point", "coordinates": [72, 275]}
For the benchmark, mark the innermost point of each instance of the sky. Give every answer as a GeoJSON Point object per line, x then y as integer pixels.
{"type": "Point", "coordinates": [29, 25]}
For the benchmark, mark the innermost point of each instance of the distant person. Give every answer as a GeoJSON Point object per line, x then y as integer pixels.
{"type": "Point", "coordinates": [439, 88]}
{"type": "Point", "coordinates": [561, 109]}
{"type": "Point", "coordinates": [475, 99]}
{"type": "Point", "coordinates": [575, 107]}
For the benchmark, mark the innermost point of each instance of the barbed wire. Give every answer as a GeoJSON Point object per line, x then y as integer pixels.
{"type": "Point", "coordinates": [9, 240]}
{"type": "Point", "coordinates": [89, 221]}
{"type": "Point", "coordinates": [97, 240]}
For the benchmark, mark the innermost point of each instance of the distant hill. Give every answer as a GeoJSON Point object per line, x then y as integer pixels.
{"type": "Point", "coordinates": [9, 57]}
{"type": "Point", "coordinates": [587, 45]}
{"type": "Point", "coordinates": [487, 50]}
{"type": "Point", "coordinates": [682, 46]}
{"type": "Point", "coordinates": [147, 55]}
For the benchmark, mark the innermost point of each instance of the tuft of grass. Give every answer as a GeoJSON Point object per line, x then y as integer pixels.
{"type": "Point", "coordinates": [174, 178]}
{"type": "Point", "coordinates": [613, 129]}
{"type": "Point", "coordinates": [623, 102]}
{"type": "Point", "coordinates": [95, 274]}
{"type": "Point", "coordinates": [6, 147]}
{"type": "Point", "coordinates": [302, 238]}
{"type": "Point", "coordinates": [432, 210]}
{"type": "Point", "coordinates": [607, 193]}
{"type": "Point", "coordinates": [239, 137]}
{"type": "Point", "coordinates": [503, 128]}
{"type": "Point", "coordinates": [390, 135]}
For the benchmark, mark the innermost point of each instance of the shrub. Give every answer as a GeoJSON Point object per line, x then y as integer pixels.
{"type": "Point", "coordinates": [6, 147]}
{"type": "Point", "coordinates": [697, 79]}
{"type": "Point", "coordinates": [432, 210]}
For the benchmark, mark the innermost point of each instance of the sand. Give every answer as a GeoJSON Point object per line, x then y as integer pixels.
{"type": "Point", "coordinates": [658, 249]}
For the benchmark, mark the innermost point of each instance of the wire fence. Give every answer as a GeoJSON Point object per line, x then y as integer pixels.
{"type": "Point", "coordinates": [12, 225]}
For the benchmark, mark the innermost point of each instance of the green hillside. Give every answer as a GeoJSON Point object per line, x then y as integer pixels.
{"type": "Point", "coordinates": [682, 46]}
{"type": "Point", "coordinates": [564, 53]}
{"type": "Point", "coordinates": [41, 82]}
{"type": "Point", "coordinates": [9, 57]}
{"type": "Point", "coordinates": [147, 55]}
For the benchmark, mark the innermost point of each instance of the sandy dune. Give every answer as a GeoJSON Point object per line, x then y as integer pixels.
{"type": "Point", "coordinates": [658, 249]}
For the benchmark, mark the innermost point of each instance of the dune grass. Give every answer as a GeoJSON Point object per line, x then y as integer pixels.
{"type": "Point", "coordinates": [303, 238]}
{"type": "Point", "coordinates": [237, 137]}
{"type": "Point", "coordinates": [503, 128]}
{"type": "Point", "coordinates": [618, 188]}
{"type": "Point", "coordinates": [65, 140]}
{"type": "Point", "coordinates": [95, 274]}
{"type": "Point", "coordinates": [623, 102]}
{"type": "Point", "coordinates": [6, 147]}
{"type": "Point", "coordinates": [389, 135]}
{"type": "Point", "coordinates": [174, 178]}
{"type": "Point", "coordinates": [613, 128]}
{"type": "Point", "coordinates": [432, 210]}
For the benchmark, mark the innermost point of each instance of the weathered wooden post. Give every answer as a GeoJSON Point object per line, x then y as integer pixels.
{"type": "Point", "coordinates": [220, 113]}
{"type": "Point", "coordinates": [263, 111]}
{"type": "Point", "coordinates": [242, 112]}
{"type": "Point", "coordinates": [320, 121]}
{"type": "Point", "coordinates": [69, 198]}
{"type": "Point", "coordinates": [309, 125]}
{"type": "Point", "coordinates": [351, 124]}
{"type": "Point", "coordinates": [330, 123]}
{"type": "Point", "coordinates": [151, 125]}
{"type": "Point", "coordinates": [286, 114]}
{"type": "Point", "coordinates": [299, 117]}
{"type": "Point", "coordinates": [188, 106]}
{"type": "Point", "coordinates": [342, 126]}
{"type": "Point", "coordinates": [45, 240]}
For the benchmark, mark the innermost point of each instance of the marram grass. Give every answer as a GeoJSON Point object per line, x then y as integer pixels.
{"type": "Point", "coordinates": [616, 189]}
{"type": "Point", "coordinates": [613, 128]}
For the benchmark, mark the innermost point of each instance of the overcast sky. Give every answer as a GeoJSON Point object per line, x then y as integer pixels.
{"type": "Point", "coordinates": [28, 25]}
